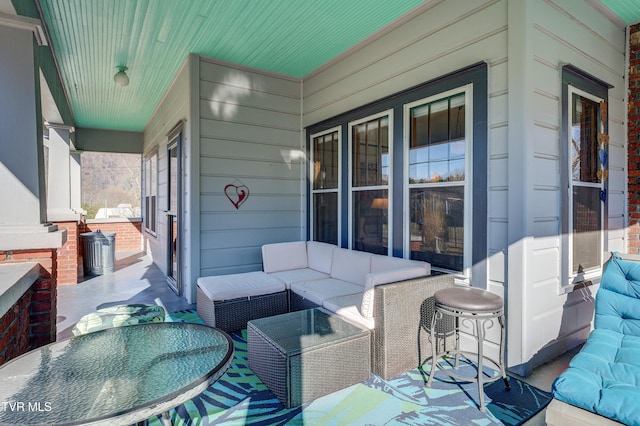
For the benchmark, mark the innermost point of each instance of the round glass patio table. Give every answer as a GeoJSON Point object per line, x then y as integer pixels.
{"type": "Point", "coordinates": [117, 376]}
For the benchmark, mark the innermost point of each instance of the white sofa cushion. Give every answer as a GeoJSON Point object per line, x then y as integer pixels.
{"type": "Point", "coordinates": [298, 275]}
{"type": "Point", "coordinates": [385, 277]}
{"type": "Point", "coordinates": [284, 256]}
{"type": "Point", "coordinates": [348, 308]}
{"type": "Point", "coordinates": [320, 256]}
{"type": "Point", "coordinates": [227, 287]}
{"type": "Point", "coordinates": [320, 290]}
{"type": "Point", "coordinates": [381, 263]}
{"type": "Point", "coordinates": [350, 265]}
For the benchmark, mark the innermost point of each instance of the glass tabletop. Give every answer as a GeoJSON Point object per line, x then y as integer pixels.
{"type": "Point", "coordinates": [112, 373]}
{"type": "Point", "coordinates": [299, 330]}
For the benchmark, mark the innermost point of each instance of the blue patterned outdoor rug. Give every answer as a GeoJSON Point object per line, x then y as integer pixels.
{"type": "Point", "coordinates": [240, 398]}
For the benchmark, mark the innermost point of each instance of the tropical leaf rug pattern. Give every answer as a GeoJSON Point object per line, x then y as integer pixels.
{"type": "Point", "coordinates": [240, 398]}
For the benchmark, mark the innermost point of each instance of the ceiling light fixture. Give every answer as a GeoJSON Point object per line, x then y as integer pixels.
{"type": "Point", "coordinates": [121, 78]}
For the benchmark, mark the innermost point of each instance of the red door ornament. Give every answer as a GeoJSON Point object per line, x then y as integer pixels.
{"type": "Point", "coordinates": [237, 194]}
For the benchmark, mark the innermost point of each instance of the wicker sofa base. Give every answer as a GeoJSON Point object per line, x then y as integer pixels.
{"type": "Point", "coordinates": [403, 312]}
{"type": "Point", "coordinates": [562, 414]}
{"type": "Point", "coordinates": [232, 315]}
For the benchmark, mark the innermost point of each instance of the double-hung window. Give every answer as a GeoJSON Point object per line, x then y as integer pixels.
{"type": "Point", "coordinates": [583, 177]}
{"type": "Point", "coordinates": [325, 186]}
{"type": "Point", "coordinates": [370, 150]}
{"type": "Point", "coordinates": [413, 180]}
{"type": "Point", "coordinates": [438, 147]}
{"type": "Point", "coordinates": [585, 154]}
{"type": "Point", "coordinates": [150, 168]}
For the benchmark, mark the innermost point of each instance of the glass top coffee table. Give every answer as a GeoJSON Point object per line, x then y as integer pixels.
{"type": "Point", "coordinates": [117, 376]}
{"type": "Point", "coordinates": [304, 355]}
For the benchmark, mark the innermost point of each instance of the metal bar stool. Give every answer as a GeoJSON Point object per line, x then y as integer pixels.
{"type": "Point", "coordinates": [481, 308]}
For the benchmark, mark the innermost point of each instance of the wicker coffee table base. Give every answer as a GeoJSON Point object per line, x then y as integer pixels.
{"type": "Point", "coordinates": [301, 376]}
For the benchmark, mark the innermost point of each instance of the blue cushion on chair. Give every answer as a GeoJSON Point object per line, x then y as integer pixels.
{"type": "Point", "coordinates": [604, 377]}
{"type": "Point", "coordinates": [618, 299]}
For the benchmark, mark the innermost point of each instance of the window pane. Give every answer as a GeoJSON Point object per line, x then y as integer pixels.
{"type": "Point", "coordinates": [154, 175]}
{"type": "Point", "coordinates": [173, 179]}
{"type": "Point", "coordinates": [325, 217]}
{"type": "Point", "coordinates": [584, 140]}
{"type": "Point", "coordinates": [370, 153]}
{"type": "Point", "coordinates": [439, 121]}
{"type": "Point", "coordinates": [437, 226]}
{"type": "Point", "coordinates": [587, 225]}
{"type": "Point", "coordinates": [152, 214]}
{"type": "Point", "coordinates": [325, 157]}
{"type": "Point", "coordinates": [370, 220]}
{"type": "Point", "coordinates": [438, 145]}
{"type": "Point", "coordinates": [147, 176]}
{"type": "Point", "coordinates": [456, 117]}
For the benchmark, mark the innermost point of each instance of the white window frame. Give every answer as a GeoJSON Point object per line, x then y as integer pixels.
{"type": "Point", "coordinates": [592, 275]}
{"type": "Point", "coordinates": [150, 157]}
{"type": "Point", "coordinates": [337, 190]}
{"type": "Point", "coordinates": [388, 186]}
{"type": "Point", "coordinates": [465, 275]}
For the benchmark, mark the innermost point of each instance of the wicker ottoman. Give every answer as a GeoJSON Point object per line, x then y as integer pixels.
{"type": "Point", "coordinates": [304, 355]}
{"type": "Point", "coordinates": [227, 302]}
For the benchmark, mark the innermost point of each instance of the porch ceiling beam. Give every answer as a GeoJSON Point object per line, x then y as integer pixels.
{"type": "Point", "coordinates": [103, 140]}
{"type": "Point", "coordinates": [25, 23]}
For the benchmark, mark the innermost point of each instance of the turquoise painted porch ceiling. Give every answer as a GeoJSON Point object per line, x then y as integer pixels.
{"type": "Point", "coordinates": [627, 10]}
{"type": "Point", "coordinates": [153, 38]}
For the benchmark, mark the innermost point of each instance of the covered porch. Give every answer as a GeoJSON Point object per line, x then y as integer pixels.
{"type": "Point", "coordinates": [450, 132]}
{"type": "Point", "coordinates": [138, 280]}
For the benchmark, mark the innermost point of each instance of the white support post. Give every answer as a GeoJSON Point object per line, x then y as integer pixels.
{"type": "Point", "coordinates": [63, 176]}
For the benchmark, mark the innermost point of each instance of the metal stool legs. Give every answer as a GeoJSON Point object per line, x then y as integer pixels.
{"type": "Point", "coordinates": [482, 321]}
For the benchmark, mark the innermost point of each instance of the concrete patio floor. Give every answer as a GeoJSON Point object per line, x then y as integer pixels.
{"type": "Point", "coordinates": [138, 280]}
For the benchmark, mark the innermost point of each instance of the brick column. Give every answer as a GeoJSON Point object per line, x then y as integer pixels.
{"type": "Point", "coordinates": [69, 255]}
{"type": "Point", "coordinates": [31, 322]}
{"type": "Point", "coordinates": [14, 329]}
{"type": "Point", "coordinates": [633, 150]}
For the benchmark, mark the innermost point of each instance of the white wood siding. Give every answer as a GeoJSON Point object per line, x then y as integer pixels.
{"type": "Point", "coordinates": [556, 32]}
{"type": "Point", "coordinates": [524, 151]}
{"type": "Point", "coordinates": [250, 134]}
{"type": "Point", "coordinates": [249, 125]}
{"type": "Point", "coordinates": [443, 38]}
{"type": "Point", "coordinates": [173, 108]}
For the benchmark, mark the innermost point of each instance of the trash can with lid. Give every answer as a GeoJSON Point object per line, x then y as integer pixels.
{"type": "Point", "coordinates": [99, 252]}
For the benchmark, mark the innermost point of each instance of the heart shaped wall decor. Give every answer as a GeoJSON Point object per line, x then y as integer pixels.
{"type": "Point", "coordinates": [237, 194]}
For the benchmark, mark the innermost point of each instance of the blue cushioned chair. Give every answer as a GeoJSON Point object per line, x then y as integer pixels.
{"type": "Point", "coordinates": [604, 377]}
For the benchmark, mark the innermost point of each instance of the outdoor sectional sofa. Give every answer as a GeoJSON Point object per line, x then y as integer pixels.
{"type": "Point", "coordinates": [602, 384]}
{"type": "Point", "coordinates": [390, 296]}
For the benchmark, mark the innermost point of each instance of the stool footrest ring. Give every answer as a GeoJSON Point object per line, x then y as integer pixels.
{"type": "Point", "coordinates": [477, 308]}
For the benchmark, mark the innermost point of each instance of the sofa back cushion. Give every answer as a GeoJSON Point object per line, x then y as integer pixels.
{"type": "Point", "coordinates": [618, 298]}
{"type": "Point", "coordinates": [380, 263]}
{"type": "Point", "coordinates": [350, 265]}
{"type": "Point", "coordinates": [284, 256]}
{"type": "Point", "coordinates": [320, 256]}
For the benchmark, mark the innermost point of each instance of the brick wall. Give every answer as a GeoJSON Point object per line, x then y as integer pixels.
{"type": "Point", "coordinates": [633, 130]}
{"type": "Point", "coordinates": [31, 321]}
{"type": "Point", "coordinates": [128, 233]}
{"type": "Point", "coordinates": [14, 329]}
{"type": "Point", "coordinates": [69, 255]}
{"type": "Point", "coordinates": [69, 268]}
